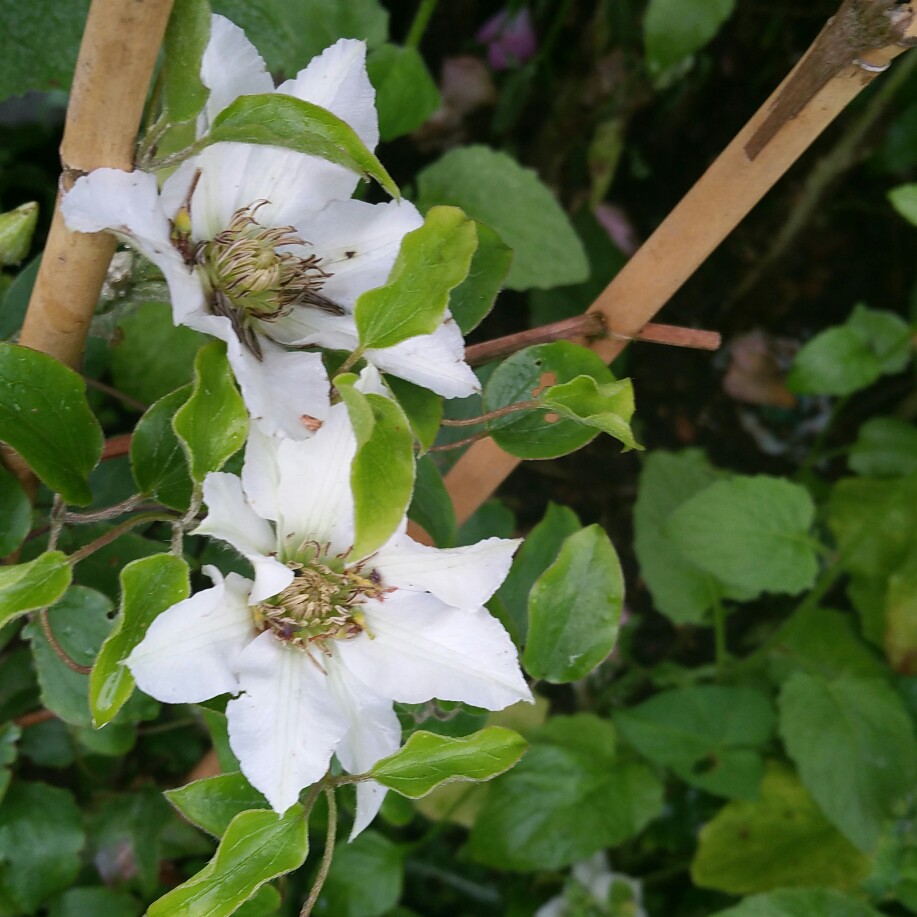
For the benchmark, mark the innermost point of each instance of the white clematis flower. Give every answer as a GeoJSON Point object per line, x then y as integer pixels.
{"type": "Point", "coordinates": [263, 247]}
{"type": "Point", "coordinates": [320, 644]}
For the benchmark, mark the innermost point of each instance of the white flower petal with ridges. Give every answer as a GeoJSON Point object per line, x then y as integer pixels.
{"type": "Point", "coordinates": [231, 67]}
{"type": "Point", "coordinates": [286, 724]}
{"type": "Point", "coordinates": [421, 649]}
{"type": "Point", "coordinates": [435, 361]}
{"type": "Point", "coordinates": [337, 80]}
{"type": "Point", "coordinates": [189, 651]}
{"type": "Point", "coordinates": [230, 518]}
{"type": "Point", "coordinates": [464, 577]}
{"type": "Point", "coordinates": [374, 733]}
{"type": "Point", "coordinates": [314, 499]}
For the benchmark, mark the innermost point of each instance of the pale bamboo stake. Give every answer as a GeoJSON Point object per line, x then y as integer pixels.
{"type": "Point", "coordinates": [117, 55]}
{"type": "Point", "coordinates": [726, 192]}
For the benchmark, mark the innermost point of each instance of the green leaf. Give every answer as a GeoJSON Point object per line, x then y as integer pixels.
{"type": "Point", "coordinates": [183, 48]}
{"type": "Point", "coordinates": [885, 448]}
{"type": "Point", "coordinates": [9, 736]}
{"type": "Point", "coordinates": [428, 760]}
{"type": "Point", "coordinates": [16, 299]}
{"type": "Point", "coordinates": [854, 745]}
{"type": "Point", "coordinates": [431, 506]}
{"type": "Point", "coordinates": [274, 119]}
{"type": "Point", "coordinates": [575, 609]}
{"type": "Point", "coordinates": [289, 34]}
{"type": "Point", "coordinates": [779, 839]}
{"type": "Point", "coordinates": [681, 590]}
{"type": "Point", "coordinates": [423, 408]}
{"type": "Point", "coordinates": [157, 458]}
{"type": "Point", "coordinates": [675, 29]}
{"type": "Point", "coordinates": [15, 511]}
{"type": "Point", "coordinates": [213, 802]}
{"type": "Point", "coordinates": [569, 797]}
{"type": "Point", "coordinates": [365, 878]}
{"type": "Point", "coordinates": [474, 297]}
{"type": "Point", "coordinates": [96, 901]}
{"type": "Point", "coordinates": [538, 552]}
{"type": "Point", "coordinates": [212, 425]}
{"type": "Point", "coordinates": [849, 357]}
{"type": "Point", "coordinates": [258, 846]}
{"type": "Point", "coordinates": [44, 416]}
{"type": "Point", "coordinates": [608, 407]}
{"type": "Point", "coordinates": [406, 94]}
{"type": "Point", "coordinates": [494, 189]}
{"type": "Point", "coordinates": [264, 903]}
{"type": "Point", "coordinates": [809, 902]}
{"type": "Point", "coordinates": [382, 476]}
{"type": "Point", "coordinates": [149, 586]}
{"type": "Point", "coordinates": [151, 355]}
{"type": "Point", "coordinates": [900, 636]}
{"type": "Point", "coordinates": [40, 43]}
{"type": "Point", "coordinates": [752, 532]}
{"type": "Point", "coordinates": [79, 622]}
{"type": "Point", "coordinates": [431, 261]}
{"type": "Point", "coordinates": [904, 200]}
{"type": "Point", "coordinates": [36, 584]}
{"type": "Point", "coordinates": [538, 433]}
{"type": "Point", "coordinates": [41, 835]}
{"type": "Point", "coordinates": [16, 230]}
{"type": "Point", "coordinates": [711, 736]}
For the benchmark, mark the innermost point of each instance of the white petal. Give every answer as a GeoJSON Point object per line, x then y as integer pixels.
{"type": "Point", "coordinates": [465, 577]}
{"type": "Point", "coordinates": [305, 326]}
{"type": "Point", "coordinates": [286, 724]}
{"type": "Point", "coordinates": [189, 651]}
{"type": "Point", "coordinates": [285, 391]}
{"type": "Point", "coordinates": [314, 499]}
{"type": "Point", "coordinates": [337, 80]}
{"type": "Point", "coordinates": [423, 649]}
{"type": "Point", "coordinates": [435, 361]}
{"type": "Point", "coordinates": [374, 733]}
{"type": "Point", "coordinates": [261, 473]}
{"type": "Point", "coordinates": [231, 519]}
{"type": "Point", "coordinates": [231, 67]}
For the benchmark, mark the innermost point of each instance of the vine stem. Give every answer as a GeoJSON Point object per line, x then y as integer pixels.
{"type": "Point", "coordinates": [491, 415]}
{"type": "Point", "coordinates": [722, 197]}
{"type": "Point", "coordinates": [421, 21]}
{"type": "Point", "coordinates": [116, 532]}
{"type": "Point", "coordinates": [327, 856]}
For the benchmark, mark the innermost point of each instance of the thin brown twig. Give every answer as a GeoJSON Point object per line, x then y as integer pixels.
{"type": "Point", "coordinates": [59, 651]}
{"type": "Point", "coordinates": [113, 392]}
{"type": "Point", "coordinates": [34, 718]}
{"type": "Point", "coordinates": [467, 441]}
{"type": "Point", "coordinates": [327, 855]}
{"type": "Point", "coordinates": [490, 415]}
{"type": "Point", "coordinates": [116, 532]}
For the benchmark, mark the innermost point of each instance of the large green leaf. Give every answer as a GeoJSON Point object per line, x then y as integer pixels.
{"type": "Point", "coordinates": [97, 901]}
{"type": "Point", "coordinates": [809, 902]}
{"type": "Point", "coordinates": [493, 188]}
{"type": "Point", "coordinates": [575, 609]}
{"type": "Point", "coordinates": [779, 839]}
{"type": "Point", "coordinates": [41, 835]}
{"type": "Point", "coordinates": [710, 735]}
{"type": "Point", "coordinates": [36, 584]}
{"type": "Point", "coordinates": [569, 797]}
{"type": "Point", "coordinates": [44, 416]}
{"type": "Point", "coordinates": [406, 94]}
{"type": "Point", "coordinates": [15, 511]}
{"type": "Point", "coordinates": [289, 34]}
{"type": "Point", "coordinates": [186, 38]}
{"type": "Point", "coordinates": [885, 447]}
{"type": "Point", "coordinates": [212, 425]}
{"type": "Point", "coordinates": [675, 29]}
{"type": "Point", "coordinates": [428, 760]}
{"type": "Point", "coordinates": [40, 43]}
{"type": "Point", "coordinates": [213, 802]}
{"type": "Point", "coordinates": [149, 586]}
{"type": "Point", "coordinates": [365, 878]}
{"type": "Point", "coordinates": [276, 119]}
{"type": "Point", "coordinates": [749, 531]}
{"type": "Point", "coordinates": [474, 297]}
{"type": "Point", "coordinates": [854, 745]}
{"type": "Point", "coordinates": [431, 506]}
{"type": "Point", "coordinates": [431, 261]}
{"type": "Point", "coordinates": [258, 846]}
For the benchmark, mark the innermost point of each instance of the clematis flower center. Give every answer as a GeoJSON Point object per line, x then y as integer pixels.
{"type": "Point", "coordinates": [319, 605]}
{"type": "Point", "coordinates": [251, 275]}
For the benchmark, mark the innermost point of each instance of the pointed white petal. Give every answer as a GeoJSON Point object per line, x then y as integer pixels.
{"type": "Point", "coordinates": [230, 518]}
{"type": "Point", "coordinates": [372, 383]}
{"type": "Point", "coordinates": [424, 649]}
{"type": "Point", "coordinates": [286, 724]}
{"type": "Point", "coordinates": [231, 67]}
{"type": "Point", "coordinates": [374, 733]}
{"type": "Point", "coordinates": [435, 361]}
{"type": "Point", "coordinates": [314, 499]}
{"type": "Point", "coordinates": [306, 326]}
{"type": "Point", "coordinates": [189, 651]}
{"type": "Point", "coordinates": [285, 391]}
{"type": "Point", "coordinates": [465, 577]}
{"type": "Point", "coordinates": [337, 80]}
{"type": "Point", "coordinates": [261, 473]}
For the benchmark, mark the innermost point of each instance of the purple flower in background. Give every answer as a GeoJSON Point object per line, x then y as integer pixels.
{"type": "Point", "coordinates": [510, 39]}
